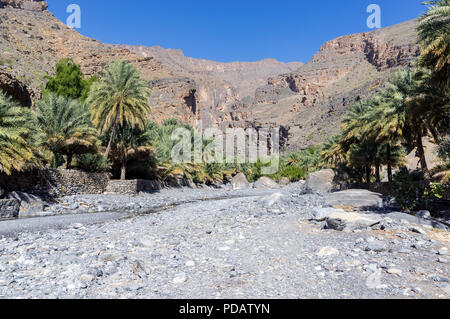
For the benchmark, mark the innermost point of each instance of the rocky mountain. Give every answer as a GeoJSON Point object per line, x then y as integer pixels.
{"type": "Point", "coordinates": [218, 84]}
{"type": "Point", "coordinates": [306, 101]}
{"type": "Point", "coordinates": [310, 101]}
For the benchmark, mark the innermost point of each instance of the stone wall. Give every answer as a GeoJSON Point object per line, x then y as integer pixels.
{"type": "Point", "coordinates": [136, 186]}
{"type": "Point", "coordinates": [53, 183]}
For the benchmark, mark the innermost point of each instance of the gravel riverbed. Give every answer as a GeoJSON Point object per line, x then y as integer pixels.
{"type": "Point", "coordinates": [215, 244]}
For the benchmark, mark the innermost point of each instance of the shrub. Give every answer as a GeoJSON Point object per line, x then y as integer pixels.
{"type": "Point", "coordinates": [92, 163]}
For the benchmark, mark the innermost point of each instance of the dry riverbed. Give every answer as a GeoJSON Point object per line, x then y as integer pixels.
{"type": "Point", "coordinates": [218, 244]}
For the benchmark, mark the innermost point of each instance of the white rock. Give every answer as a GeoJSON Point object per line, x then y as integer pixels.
{"type": "Point", "coordinates": [327, 251]}
{"type": "Point", "coordinates": [443, 251]}
{"type": "Point", "coordinates": [180, 278]}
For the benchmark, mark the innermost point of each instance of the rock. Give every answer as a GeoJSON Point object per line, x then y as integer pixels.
{"type": "Point", "coordinates": [78, 226]}
{"type": "Point", "coordinates": [180, 278]}
{"type": "Point", "coordinates": [320, 214]}
{"type": "Point", "coordinates": [270, 200]}
{"type": "Point", "coordinates": [374, 280]}
{"type": "Point", "coordinates": [190, 263]}
{"type": "Point", "coordinates": [423, 214]}
{"type": "Point", "coordinates": [443, 251]}
{"type": "Point", "coordinates": [394, 271]}
{"type": "Point", "coordinates": [406, 218]}
{"type": "Point", "coordinates": [87, 278]}
{"type": "Point", "coordinates": [32, 5]}
{"type": "Point", "coordinates": [376, 246]}
{"type": "Point", "coordinates": [9, 208]}
{"type": "Point", "coordinates": [352, 221]}
{"type": "Point", "coordinates": [355, 198]}
{"type": "Point", "coordinates": [327, 251]}
{"type": "Point", "coordinates": [284, 181]}
{"type": "Point", "coordinates": [240, 182]}
{"type": "Point", "coordinates": [417, 230]}
{"type": "Point", "coordinates": [28, 203]}
{"type": "Point", "coordinates": [321, 182]}
{"type": "Point", "coordinates": [139, 270]}
{"type": "Point", "coordinates": [266, 183]}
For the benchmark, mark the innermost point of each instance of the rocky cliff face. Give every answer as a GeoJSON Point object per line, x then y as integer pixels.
{"type": "Point", "coordinates": [218, 84]}
{"type": "Point", "coordinates": [32, 41]}
{"type": "Point", "coordinates": [310, 101]}
{"type": "Point", "coordinates": [32, 5]}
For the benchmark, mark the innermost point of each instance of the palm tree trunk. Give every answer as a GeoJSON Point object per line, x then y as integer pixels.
{"type": "Point", "coordinates": [377, 172]}
{"type": "Point", "coordinates": [111, 138]}
{"type": "Point", "coordinates": [389, 162]}
{"type": "Point", "coordinates": [123, 169]}
{"type": "Point", "coordinates": [421, 153]}
{"type": "Point", "coordinates": [69, 161]}
{"type": "Point", "coordinates": [368, 174]}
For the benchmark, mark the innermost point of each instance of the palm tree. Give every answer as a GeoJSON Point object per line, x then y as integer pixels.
{"type": "Point", "coordinates": [119, 98]}
{"type": "Point", "coordinates": [67, 127]}
{"type": "Point", "coordinates": [18, 136]}
{"type": "Point", "coordinates": [434, 39]}
{"type": "Point", "coordinates": [130, 143]}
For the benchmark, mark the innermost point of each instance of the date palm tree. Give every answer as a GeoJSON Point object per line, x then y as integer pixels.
{"type": "Point", "coordinates": [67, 127]}
{"type": "Point", "coordinates": [434, 39]}
{"type": "Point", "coordinates": [119, 98]}
{"type": "Point", "coordinates": [18, 137]}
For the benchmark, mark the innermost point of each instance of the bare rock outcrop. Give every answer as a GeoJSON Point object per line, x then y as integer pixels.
{"type": "Point", "coordinates": [32, 5]}
{"type": "Point", "coordinates": [16, 89]}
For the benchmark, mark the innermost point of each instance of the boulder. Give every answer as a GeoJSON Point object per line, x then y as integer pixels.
{"type": "Point", "coordinates": [321, 182]}
{"type": "Point", "coordinates": [430, 222]}
{"type": "Point", "coordinates": [349, 220]}
{"type": "Point", "coordinates": [270, 200]}
{"type": "Point", "coordinates": [320, 214]}
{"type": "Point", "coordinates": [355, 198]}
{"type": "Point", "coordinates": [240, 182]}
{"type": "Point", "coordinates": [266, 183]}
{"type": "Point", "coordinates": [9, 208]}
{"type": "Point", "coordinates": [27, 203]}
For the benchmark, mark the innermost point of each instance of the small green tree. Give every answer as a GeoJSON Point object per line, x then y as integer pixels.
{"type": "Point", "coordinates": [69, 81]}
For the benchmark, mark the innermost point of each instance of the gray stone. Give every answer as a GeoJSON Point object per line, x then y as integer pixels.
{"type": "Point", "coordinates": [28, 203]}
{"type": "Point", "coordinates": [376, 246]}
{"type": "Point", "coordinates": [321, 182]}
{"type": "Point", "coordinates": [327, 251]}
{"type": "Point", "coordinates": [320, 214]}
{"type": "Point", "coordinates": [270, 200]}
{"type": "Point", "coordinates": [443, 251]}
{"type": "Point", "coordinates": [284, 181]}
{"type": "Point", "coordinates": [240, 182]}
{"type": "Point", "coordinates": [374, 280]}
{"type": "Point", "coordinates": [352, 221]}
{"type": "Point", "coordinates": [406, 218]}
{"type": "Point", "coordinates": [423, 214]}
{"type": "Point", "coordinates": [9, 208]}
{"type": "Point", "coordinates": [355, 198]}
{"type": "Point", "coordinates": [266, 183]}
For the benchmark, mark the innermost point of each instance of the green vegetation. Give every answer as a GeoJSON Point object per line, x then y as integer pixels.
{"type": "Point", "coordinates": [66, 126]}
{"type": "Point", "coordinates": [69, 81]}
{"type": "Point", "coordinates": [120, 97]}
{"type": "Point", "coordinates": [18, 137]}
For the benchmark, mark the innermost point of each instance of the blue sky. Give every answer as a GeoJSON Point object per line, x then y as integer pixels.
{"type": "Point", "coordinates": [246, 30]}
